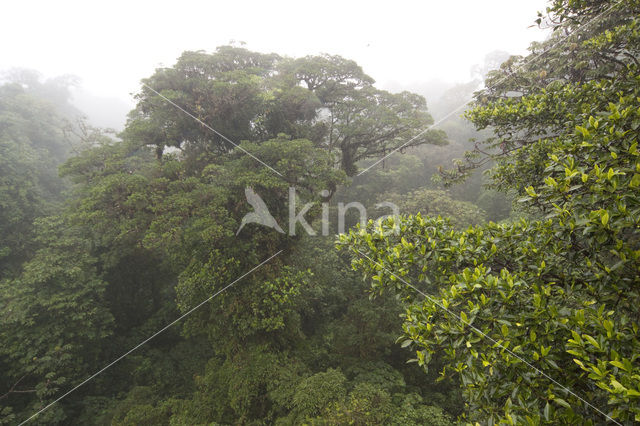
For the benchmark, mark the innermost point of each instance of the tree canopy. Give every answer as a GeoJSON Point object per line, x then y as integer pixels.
{"type": "Point", "coordinates": [127, 265]}
{"type": "Point", "coordinates": [538, 317]}
{"type": "Point", "coordinates": [249, 96]}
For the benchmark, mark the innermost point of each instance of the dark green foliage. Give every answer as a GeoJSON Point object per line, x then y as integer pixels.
{"type": "Point", "coordinates": [147, 231]}
{"type": "Point", "coordinates": [254, 97]}
{"type": "Point", "coordinates": [53, 319]}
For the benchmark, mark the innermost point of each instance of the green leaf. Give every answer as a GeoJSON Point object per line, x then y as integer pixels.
{"type": "Point", "coordinates": [505, 330]}
{"type": "Point", "coordinates": [618, 364]}
{"type": "Point", "coordinates": [561, 402]}
{"type": "Point", "coordinates": [546, 411]}
{"type": "Point", "coordinates": [591, 340]}
{"type": "Point", "coordinates": [585, 133]}
{"type": "Point", "coordinates": [406, 343]}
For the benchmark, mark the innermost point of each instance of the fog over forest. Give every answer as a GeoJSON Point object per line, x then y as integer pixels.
{"type": "Point", "coordinates": [333, 214]}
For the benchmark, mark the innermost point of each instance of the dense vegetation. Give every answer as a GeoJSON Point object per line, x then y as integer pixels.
{"type": "Point", "coordinates": [537, 318]}
{"type": "Point", "coordinates": [523, 316]}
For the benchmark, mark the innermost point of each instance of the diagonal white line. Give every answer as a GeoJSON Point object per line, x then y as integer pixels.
{"type": "Point", "coordinates": [491, 339]}
{"type": "Point", "coordinates": [443, 119]}
{"type": "Point", "coordinates": [213, 130]}
{"type": "Point", "coordinates": [276, 254]}
{"type": "Point", "coordinates": [529, 62]}
{"type": "Point", "coordinates": [151, 337]}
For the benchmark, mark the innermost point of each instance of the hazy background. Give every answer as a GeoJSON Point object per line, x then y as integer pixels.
{"type": "Point", "coordinates": [424, 46]}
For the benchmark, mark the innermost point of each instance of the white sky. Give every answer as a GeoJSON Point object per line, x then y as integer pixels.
{"type": "Point", "coordinates": [111, 45]}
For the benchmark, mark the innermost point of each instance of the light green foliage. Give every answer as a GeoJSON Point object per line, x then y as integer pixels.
{"type": "Point", "coordinates": [560, 293]}
{"type": "Point", "coordinates": [528, 311]}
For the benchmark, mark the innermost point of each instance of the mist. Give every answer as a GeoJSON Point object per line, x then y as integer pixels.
{"type": "Point", "coordinates": [111, 47]}
{"type": "Point", "coordinates": [338, 213]}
